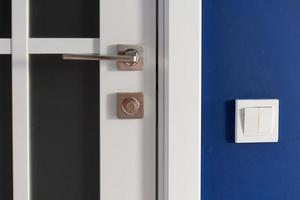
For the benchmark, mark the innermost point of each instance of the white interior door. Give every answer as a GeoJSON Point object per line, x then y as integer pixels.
{"type": "Point", "coordinates": [127, 146]}
{"type": "Point", "coordinates": [68, 143]}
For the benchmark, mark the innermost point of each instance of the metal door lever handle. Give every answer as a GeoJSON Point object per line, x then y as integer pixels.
{"type": "Point", "coordinates": [129, 56]}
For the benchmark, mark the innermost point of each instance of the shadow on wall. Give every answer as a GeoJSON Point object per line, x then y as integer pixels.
{"type": "Point", "coordinates": [230, 120]}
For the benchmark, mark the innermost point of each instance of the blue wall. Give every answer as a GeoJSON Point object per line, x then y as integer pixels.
{"type": "Point", "coordinates": [251, 49]}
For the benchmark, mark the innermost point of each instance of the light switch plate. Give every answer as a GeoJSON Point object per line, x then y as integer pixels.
{"type": "Point", "coordinates": [266, 132]}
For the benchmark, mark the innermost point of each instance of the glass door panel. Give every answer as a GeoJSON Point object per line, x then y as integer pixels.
{"type": "Point", "coordinates": [5, 129]}
{"type": "Point", "coordinates": [64, 128]}
{"type": "Point", "coordinates": [63, 18]}
{"type": "Point", "coordinates": [5, 18]}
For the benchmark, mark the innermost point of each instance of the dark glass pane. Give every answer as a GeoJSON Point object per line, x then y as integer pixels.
{"type": "Point", "coordinates": [5, 18]}
{"type": "Point", "coordinates": [5, 129]}
{"type": "Point", "coordinates": [64, 18]}
{"type": "Point", "coordinates": [64, 128]}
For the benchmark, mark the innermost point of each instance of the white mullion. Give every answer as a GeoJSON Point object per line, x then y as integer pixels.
{"type": "Point", "coordinates": [20, 100]}
{"type": "Point", "coordinates": [63, 45]}
{"type": "Point", "coordinates": [5, 46]}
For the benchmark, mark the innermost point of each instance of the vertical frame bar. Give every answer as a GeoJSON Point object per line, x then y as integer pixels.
{"type": "Point", "coordinates": [20, 98]}
{"type": "Point", "coordinates": [182, 28]}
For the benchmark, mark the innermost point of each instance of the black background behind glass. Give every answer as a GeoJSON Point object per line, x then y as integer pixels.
{"type": "Point", "coordinates": [5, 18]}
{"type": "Point", "coordinates": [64, 18]}
{"type": "Point", "coordinates": [6, 192]}
{"type": "Point", "coordinates": [64, 128]}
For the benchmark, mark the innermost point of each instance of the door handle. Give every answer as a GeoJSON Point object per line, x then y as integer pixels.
{"type": "Point", "coordinates": [129, 57]}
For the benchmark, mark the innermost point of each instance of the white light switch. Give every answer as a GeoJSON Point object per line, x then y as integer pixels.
{"type": "Point", "coordinates": [256, 120]}
{"type": "Point", "coordinates": [251, 121]}
{"type": "Point", "coordinates": [265, 121]}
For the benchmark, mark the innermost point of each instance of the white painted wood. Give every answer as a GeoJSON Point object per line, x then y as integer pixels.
{"type": "Point", "coordinates": [5, 46]}
{"type": "Point", "coordinates": [63, 45]}
{"type": "Point", "coordinates": [131, 174]}
{"type": "Point", "coordinates": [181, 27]}
{"type": "Point", "coordinates": [128, 147]}
{"type": "Point", "coordinates": [20, 101]}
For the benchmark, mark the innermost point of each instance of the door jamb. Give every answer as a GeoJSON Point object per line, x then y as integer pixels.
{"type": "Point", "coordinates": [179, 99]}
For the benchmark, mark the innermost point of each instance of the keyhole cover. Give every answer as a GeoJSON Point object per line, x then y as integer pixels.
{"type": "Point", "coordinates": [130, 105]}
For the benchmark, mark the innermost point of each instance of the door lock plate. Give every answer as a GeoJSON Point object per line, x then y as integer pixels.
{"type": "Point", "coordinates": [130, 105]}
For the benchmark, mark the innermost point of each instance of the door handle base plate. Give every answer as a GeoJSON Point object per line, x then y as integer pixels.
{"type": "Point", "coordinates": [123, 66]}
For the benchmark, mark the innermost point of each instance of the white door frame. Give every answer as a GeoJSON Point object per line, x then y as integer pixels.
{"type": "Point", "coordinates": [179, 99]}
{"type": "Point", "coordinates": [179, 46]}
